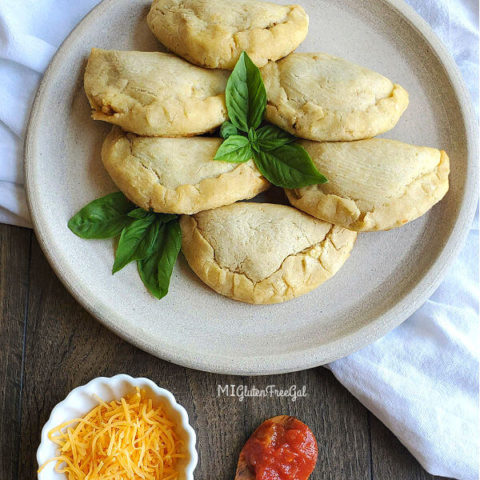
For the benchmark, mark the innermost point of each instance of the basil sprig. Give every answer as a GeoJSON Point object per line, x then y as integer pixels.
{"type": "Point", "coordinates": [151, 239]}
{"type": "Point", "coordinates": [281, 162]}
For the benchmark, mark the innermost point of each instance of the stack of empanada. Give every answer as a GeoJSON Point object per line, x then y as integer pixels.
{"type": "Point", "coordinates": [254, 252]}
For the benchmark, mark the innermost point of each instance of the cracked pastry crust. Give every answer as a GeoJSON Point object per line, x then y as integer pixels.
{"type": "Point", "coordinates": [153, 93]}
{"type": "Point", "coordinates": [263, 253]}
{"type": "Point", "coordinates": [213, 33]}
{"type": "Point", "coordinates": [177, 175]}
{"type": "Point", "coordinates": [374, 184]}
{"type": "Point", "coordinates": [325, 98]}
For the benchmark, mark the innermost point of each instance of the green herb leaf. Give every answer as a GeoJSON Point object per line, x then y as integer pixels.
{"type": "Point", "coordinates": [134, 241]}
{"type": "Point", "coordinates": [289, 166]}
{"type": "Point", "coordinates": [105, 217]}
{"type": "Point", "coordinates": [271, 137]}
{"type": "Point", "coordinates": [162, 217]}
{"type": "Point", "coordinates": [234, 149]}
{"type": "Point", "coordinates": [156, 270]}
{"type": "Point", "coordinates": [228, 129]}
{"type": "Point", "coordinates": [147, 244]}
{"type": "Point", "coordinates": [245, 95]}
{"type": "Point", "coordinates": [166, 217]}
{"type": "Point", "coordinates": [172, 242]}
{"type": "Point", "coordinates": [138, 213]}
{"type": "Point", "coordinates": [252, 138]}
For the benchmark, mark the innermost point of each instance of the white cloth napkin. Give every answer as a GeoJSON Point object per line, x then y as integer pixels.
{"type": "Point", "coordinates": [421, 379]}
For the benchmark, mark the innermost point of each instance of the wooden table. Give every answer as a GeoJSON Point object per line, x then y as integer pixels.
{"type": "Point", "coordinates": [50, 344]}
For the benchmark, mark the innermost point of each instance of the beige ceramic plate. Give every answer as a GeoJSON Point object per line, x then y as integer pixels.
{"type": "Point", "coordinates": [388, 276]}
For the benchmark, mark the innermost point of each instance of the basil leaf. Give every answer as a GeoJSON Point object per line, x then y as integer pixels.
{"type": "Point", "coordinates": [234, 149]}
{"type": "Point", "coordinates": [148, 267]}
{"type": "Point", "coordinates": [271, 137]}
{"type": "Point", "coordinates": [289, 166]}
{"type": "Point", "coordinates": [132, 244]}
{"type": "Point", "coordinates": [172, 242]}
{"type": "Point", "coordinates": [105, 217]}
{"type": "Point", "coordinates": [138, 213]}
{"type": "Point", "coordinates": [227, 129]}
{"type": "Point", "coordinates": [166, 217]}
{"type": "Point", "coordinates": [252, 138]}
{"type": "Point", "coordinates": [141, 213]}
{"type": "Point", "coordinates": [156, 270]}
{"type": "Point", "coordinates": [147, 244]}
{"type": "Point", "coordinates": [245, 95]}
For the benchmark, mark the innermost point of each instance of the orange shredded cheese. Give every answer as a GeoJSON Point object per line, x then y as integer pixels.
{"type": "Point", "coordinates": [126, 439]}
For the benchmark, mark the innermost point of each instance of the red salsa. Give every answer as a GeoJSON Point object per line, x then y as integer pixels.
{"type": "Point", "coordinates": [286, 450]}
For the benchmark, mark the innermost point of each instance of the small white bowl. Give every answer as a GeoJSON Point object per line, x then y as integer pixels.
{"type": "Point", "coordinates": [82, 399]}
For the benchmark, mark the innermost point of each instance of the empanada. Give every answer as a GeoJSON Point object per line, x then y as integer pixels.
{"type": "Point", "coordinates": [263, 253]}
{"type": "Point", "coordinates": [177, 175]}
{"type": "Point", "coordinates": [320, 97]}
{"type": "Point", "coordinates": [213, 33]}
{"type": "Point", "coordinates": [153, 93]}
{"type": "Point", "coordinates": [374, 184]}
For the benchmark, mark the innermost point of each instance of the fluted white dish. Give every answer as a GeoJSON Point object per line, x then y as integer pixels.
{"type": "Point", "coordinates": [83, 399]}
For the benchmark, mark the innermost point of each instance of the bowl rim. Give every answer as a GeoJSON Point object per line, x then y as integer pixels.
{"type": "Point", "coordinates": [134, 382]}
{"type": "Point", "coordinates": [306, 358]}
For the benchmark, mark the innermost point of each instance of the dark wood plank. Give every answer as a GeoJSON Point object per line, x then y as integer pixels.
{"type": "Point", "coordinates": [219, 423]}
{"type": "Point", "coordinates": [390, 459]}
{"type": "Point", "coordinates": [14, 258]}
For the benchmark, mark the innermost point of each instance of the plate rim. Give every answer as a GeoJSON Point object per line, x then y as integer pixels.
{"type": "Point", "coordinates": [311, 357]}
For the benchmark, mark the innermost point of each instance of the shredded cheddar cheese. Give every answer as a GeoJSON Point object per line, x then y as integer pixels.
{"type": "Point", "coordinates": [126, 439]}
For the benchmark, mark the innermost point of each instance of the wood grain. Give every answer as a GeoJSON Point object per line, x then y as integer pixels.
{"type": "Point", "coordinates": [65, 347]}
{"type": "Point", "coordinates": [14, 257]}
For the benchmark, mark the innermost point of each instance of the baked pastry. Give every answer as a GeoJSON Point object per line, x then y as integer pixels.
{"type": "Point", "coordinates": [374, 184]}
{"type": "Point", "coordinates": [320, 97]}
{"type": "Point", "coordinates": [263, 253]}
{"type": "Point", "coordinates": [153, 93]}
{"type": "Point", "coordinates": [213, 33]}
{"type": "Point", "coordinates": [177, 175]}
